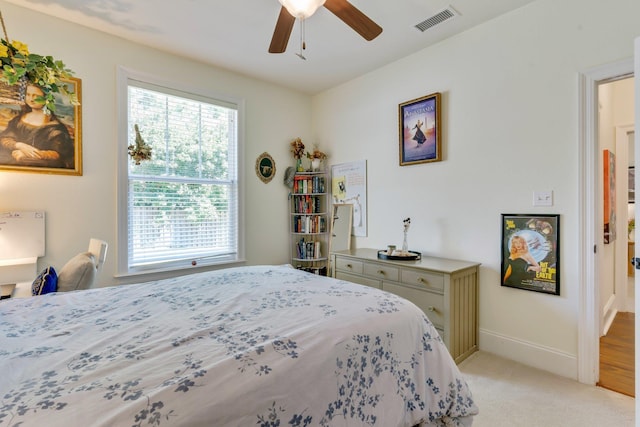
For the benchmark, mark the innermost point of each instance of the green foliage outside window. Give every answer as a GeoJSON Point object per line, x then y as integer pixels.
{"type": "Point", "coordinates": [183, 200]}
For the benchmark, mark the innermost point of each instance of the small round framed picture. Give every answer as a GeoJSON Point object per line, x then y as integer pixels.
{"type": "Point", "coordinates": [265, 167]}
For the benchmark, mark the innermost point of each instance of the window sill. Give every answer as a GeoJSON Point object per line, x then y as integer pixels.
{"type": "Point", "coordinates": [157, 274]}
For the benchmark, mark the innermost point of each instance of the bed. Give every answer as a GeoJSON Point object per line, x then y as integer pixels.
{"type": "Point", "coordinates": [247, 346]}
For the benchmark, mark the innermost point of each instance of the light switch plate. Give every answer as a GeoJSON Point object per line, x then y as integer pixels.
{"type": "Point", "coordinates": [543, 198]}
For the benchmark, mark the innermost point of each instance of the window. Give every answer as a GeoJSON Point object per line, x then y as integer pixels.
{"type": "Point", "coordinates": [182, 204]}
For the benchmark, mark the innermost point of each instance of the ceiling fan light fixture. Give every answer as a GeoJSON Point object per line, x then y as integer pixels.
{"type": "Point", "coordinates": [301, 9]}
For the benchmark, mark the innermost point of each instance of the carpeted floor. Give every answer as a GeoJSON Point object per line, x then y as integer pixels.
{"type": "Point", "coordinates": [510, 394]}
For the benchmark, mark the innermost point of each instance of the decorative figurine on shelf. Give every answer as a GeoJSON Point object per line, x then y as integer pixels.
{"type": "Point", "coordinates": [297, 148]}
{"type": "Point", "coordinates": [405, 246]}
{"type": "Point", "coordinates": [141, 150]}
{"type": "Point", "coordinates": [316, 158]}
{"type": "Point", "coordinates": [401, 254]}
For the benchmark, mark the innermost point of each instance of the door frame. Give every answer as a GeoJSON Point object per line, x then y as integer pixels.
{"type": "Point", "coordinates": [590, 216]}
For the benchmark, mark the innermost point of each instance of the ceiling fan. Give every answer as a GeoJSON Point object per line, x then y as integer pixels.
{"type": "Point", "coordinates": [292, 9]}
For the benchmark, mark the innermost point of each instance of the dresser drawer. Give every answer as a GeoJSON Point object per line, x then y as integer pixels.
{"type": "Point", "coordinates": [381, 271]}
{"type": "Point", "coordinates": [359, 279]}
{"type": "Point", "coordinates": [423, 279]}
{"type": "Point", "coordinates": [431, 303]}
{"type": "Point", "coordinates": [348, 265]}
{"type": "Point", "coordinates": [427, 283]}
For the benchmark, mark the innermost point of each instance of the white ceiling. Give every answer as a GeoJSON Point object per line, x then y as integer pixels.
{"type": "Point", "coordinates": [235, 34]}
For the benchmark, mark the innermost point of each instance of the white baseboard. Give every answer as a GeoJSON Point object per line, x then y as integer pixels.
{"type": "Point", "coordinates": [531, 354]}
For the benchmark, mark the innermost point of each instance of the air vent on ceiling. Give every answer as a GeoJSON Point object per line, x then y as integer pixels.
{"type": "Point", "coordinates": [436, 19]}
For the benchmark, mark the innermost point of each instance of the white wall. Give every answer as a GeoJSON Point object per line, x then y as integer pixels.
{"type": "Point", "coordinates": [79, 208]}
{"type": "Point", "coordinates": [510, 120]}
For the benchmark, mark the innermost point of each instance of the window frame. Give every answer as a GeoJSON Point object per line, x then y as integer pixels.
{"type": "Point", "coordinates": [124, 77]}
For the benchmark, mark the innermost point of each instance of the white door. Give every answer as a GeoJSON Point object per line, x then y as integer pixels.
{"type": "Point", "coordinates": [637, 233]}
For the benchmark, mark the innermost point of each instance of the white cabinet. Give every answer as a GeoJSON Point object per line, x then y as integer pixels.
{"type": "Point", "coordinates": [18, 275]}
{"type": "Point", "coordinates": [309, 222]}
{"type": "Point", "coordinates": [445, 289]}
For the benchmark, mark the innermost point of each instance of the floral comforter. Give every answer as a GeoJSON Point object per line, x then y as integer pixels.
{"type": "Point", "coordinates": [249, 346]}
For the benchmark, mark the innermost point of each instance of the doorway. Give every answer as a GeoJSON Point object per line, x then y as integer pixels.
{"type": "Point", "coordinates": [616, 368]}
{"type": "Point", "coordinates": [615, 101]}
{"type": "Point", "coordinates": [596, 310]}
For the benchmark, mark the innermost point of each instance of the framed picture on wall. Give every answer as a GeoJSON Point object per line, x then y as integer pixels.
{"type": "Point", "coordinates": [420, 130]}
{"type": "Point", "coordinates": [265, 167]}
{"type": "Point", "coordinates": [531, 252]}
{"type": "Point", "coordinates": [632, 184]}
{"type": "Point", "coordinates": [609, 189]}
{"type": "Point", "coordinates": [31, 141]}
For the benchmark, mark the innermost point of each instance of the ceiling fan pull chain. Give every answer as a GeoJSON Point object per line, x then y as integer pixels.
{"type": "Point", "coordinates": [303, 44]}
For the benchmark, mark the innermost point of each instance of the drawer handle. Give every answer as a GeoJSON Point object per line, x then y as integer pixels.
{"type": "Point", "coordinates": [349, 266]}
{"type": "Point", "coordinates": [432, 309]}
{"type": "Point", "coordinates": [381, 272]}
{"type": "Point", "coordinates": [422, 280]}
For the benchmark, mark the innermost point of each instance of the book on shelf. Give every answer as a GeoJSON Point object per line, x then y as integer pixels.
{"type": "Point", "coordinates": [308, 184]}
{"type": "Point", "coordinates": [309, 224]}
{"type": "Point", "coordinates": [308, 249]}
{"type": "Point", "coordinates": [307, 204]}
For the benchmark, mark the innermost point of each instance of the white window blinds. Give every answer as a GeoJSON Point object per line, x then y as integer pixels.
{"type": "Point", "coordinates": [183, 202]}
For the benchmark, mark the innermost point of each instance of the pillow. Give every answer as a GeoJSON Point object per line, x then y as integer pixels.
{"type": "Point", "coordinates": [47, 281]}
{"type": "Point", "coordinates": [78, 273]}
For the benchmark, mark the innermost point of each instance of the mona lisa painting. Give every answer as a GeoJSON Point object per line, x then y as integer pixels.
{"type": "Point", "coordinates": [35, 140]}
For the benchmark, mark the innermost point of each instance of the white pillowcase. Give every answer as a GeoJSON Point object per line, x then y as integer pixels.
{"type": "Point", "coordinates": [78, 273]}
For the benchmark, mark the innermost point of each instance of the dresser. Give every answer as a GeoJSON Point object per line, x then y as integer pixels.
{"type": "Point", "coordinates": [445, 289]}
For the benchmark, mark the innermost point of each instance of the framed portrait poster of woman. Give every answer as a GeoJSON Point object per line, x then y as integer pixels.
{"type": "Point", "coordinates": [35, 140]}
{"type": "Point", "coordinates": [531, 252]}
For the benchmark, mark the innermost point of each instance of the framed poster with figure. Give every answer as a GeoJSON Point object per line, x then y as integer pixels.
{"type": "Point", "coordinates": [35, 140]}
{"type": "Point", "coordinates": [420, 130]}
{"type": "Point", "coordinates": [531, 252]}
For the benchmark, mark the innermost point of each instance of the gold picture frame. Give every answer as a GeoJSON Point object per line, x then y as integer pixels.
{"type": "Point", "coordinates": [265, 167]}
{"type": "Point", "coordinates": [420, 130]}
{"type": "Point", "coordinates": [48, 139]}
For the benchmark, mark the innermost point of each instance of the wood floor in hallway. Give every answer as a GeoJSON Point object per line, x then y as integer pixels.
{"type": "Point", "coordinates": [617, 367]}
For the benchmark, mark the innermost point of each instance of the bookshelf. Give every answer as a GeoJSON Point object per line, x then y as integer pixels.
{"type": "Point", "coordinates": [309, 222]}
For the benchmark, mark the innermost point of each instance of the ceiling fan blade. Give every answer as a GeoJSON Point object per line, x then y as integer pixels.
{"type": "Point", "coordinates": [354, 18]}
{"type": "Point", "coordinates": [282, 32]}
